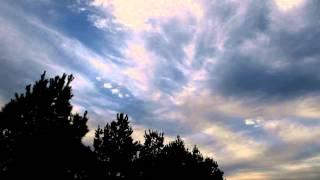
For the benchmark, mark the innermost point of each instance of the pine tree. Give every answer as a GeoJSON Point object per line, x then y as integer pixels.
{"type": "Point", "coordinates": [178, 162]}
{"type": "Point", "coordinates": [40, 137]}
{"type": "Point", "coordinates": [150, 155]}
{"type": "Point", "coordinates": [115, 148]}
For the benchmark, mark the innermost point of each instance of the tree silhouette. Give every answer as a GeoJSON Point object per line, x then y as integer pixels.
{"type": "Point", "coordinates": [122, 158]}
{"type": "Point", "coordinates": [179, 162]}
{"type": "Point", "coordinates": [115, 148]}
{"type": "Point", "coordinates": [40, 137]}
{"type": "Point", "coordinates": [149, 162]}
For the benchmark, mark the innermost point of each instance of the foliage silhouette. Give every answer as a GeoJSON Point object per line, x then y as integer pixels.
{"type": "Point", "coordinates": [115, 148]}
{"type": "Point", "coordinates": [40, 137]}
{"type": "Point", "coordinates": [149, 161]}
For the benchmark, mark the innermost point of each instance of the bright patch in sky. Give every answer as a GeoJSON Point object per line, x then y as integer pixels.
{"type": "Point", "coordinates": [107, 85]}
{"type": "Point", "coordinates": [249, 122]}
{"type": "Point", "coordinates": [253, 122]}
{"type": "Point", "coordinates": [136, 14]}
{"type": "Point", "coordinates": [115, 91]}
{"type": "Point", "coordinates": [286, 5]}
{"type": "Point", "coordinates": [98, 78]}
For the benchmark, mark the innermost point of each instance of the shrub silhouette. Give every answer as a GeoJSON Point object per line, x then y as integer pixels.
{"type": "Point", "coordinates": [40, 137]}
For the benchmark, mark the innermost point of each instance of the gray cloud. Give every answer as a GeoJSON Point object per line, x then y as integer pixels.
{"type": "Point", "coordinates": [245, 76]}
{"type": "Point", "coordinates": [283, 66]}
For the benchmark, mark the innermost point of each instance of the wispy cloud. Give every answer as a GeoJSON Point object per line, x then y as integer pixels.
{"type": "Point", "coordinates": [238, 78]}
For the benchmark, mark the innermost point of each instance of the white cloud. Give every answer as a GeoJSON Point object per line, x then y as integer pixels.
{"type": "Point", "coordinates": [286, 5]}
{"type": "Point", "coordinates": [254, 122]}
{"type": "Point", "coordinates": [107, 85]}
{"type": "Point", "coordinates": [98, 78]}
{"type": "Point", "coordinates": [249, 122]}
{"type": "Point", "coordinates": [136, 13]}
{"type": "Point", "coordinates": [100, 22]}
{"type": "Point", "coordinates": [115, 91]}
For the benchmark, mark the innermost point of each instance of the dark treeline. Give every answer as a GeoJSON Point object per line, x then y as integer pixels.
{"type": "Point", "coordinates": [40, 137]}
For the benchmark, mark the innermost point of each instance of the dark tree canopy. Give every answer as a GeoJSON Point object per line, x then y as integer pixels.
{"type": "Point", "coordinates": [115, 148]}
{"type": "Point", "coordinates": [122, 158]}
{"type": "Point", "coordinates": [40, 137]}
{"type": "Point", "coordinates": [150, 161]}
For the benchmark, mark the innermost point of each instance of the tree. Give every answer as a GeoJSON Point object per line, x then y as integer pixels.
{"type": "Point", "coordinates": [178, 162]}
{"type": "Point", "coordinates": [206, 168]}
{"type": "Point", "coordinates": [115, 148]}
{"type": "Point", "coordinates": [122, 158]}
{"type": "Point", "coordinates": [149, 162]}
{"type": "Point", "coordinates": [40, 137]}
{"type": "Point", "coordinates": [174, 159]}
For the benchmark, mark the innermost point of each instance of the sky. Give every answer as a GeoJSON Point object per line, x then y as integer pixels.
{"type": "Point", "coordinates": [239, 78]}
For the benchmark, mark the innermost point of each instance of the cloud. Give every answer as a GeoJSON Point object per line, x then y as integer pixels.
{"type": "Point", "coordinates": [99, 22]}
{"type": "Point", "coordinates": [172, 65]}
{"type": "Point", "coordinates": [238, 78]}
{"type": "Point", "coordinates": [286, 5]}
{"type": "Point", "coordinates": [115, 91]}
{"type": "Point", "coordinates": [39, 47]}
{"type": "Point", "coordinates": [141, 66]}
{"type": "Point", "coordinates": [293, 132]}
{"type": "Point", "coordinates": [259, 60]}
{"type": "Point", "coordinates": [245, 175]}
{"type": "Point", "coordinates": [107, 85]}
{"type": "Point", "coordinates": [136, 14]}
{"type": "Point", "coordinates": [98, 78]}
{"type": "Point", "coordinates": [253, 122]}
{"type": "Point", "coordinates": [254, 78]}
{"type": "Point", "coordinates": [239, 147]}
